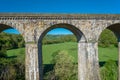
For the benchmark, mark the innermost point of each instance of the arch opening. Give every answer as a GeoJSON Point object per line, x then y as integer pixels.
{"type": "Point", "coordinates": [12, 54]}
{"type": "Point", "coordinates": [77, 34]}
{"type": "Point", "coordinates": [108, 52]}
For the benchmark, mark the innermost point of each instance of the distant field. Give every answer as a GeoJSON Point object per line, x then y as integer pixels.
{"type": "Point", "coordinates": [108, 53]}
{"type": "Point", "coordinates": [71, 47]}
{"type": "Point", "coordinates": [16, 52]}
{"type": "Point", "coordinates": [50, 49]}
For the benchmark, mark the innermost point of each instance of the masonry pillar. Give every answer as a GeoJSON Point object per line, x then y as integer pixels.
{"type": "Point", "coordinates": [82, 61]}
{"type": "Point", "coordinates": [32, 70]}
{"type": "Point", "coordinates": [92, 61]}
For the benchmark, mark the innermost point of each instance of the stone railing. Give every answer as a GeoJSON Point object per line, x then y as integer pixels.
{"type": "Point", "coordinates": [13, 16]}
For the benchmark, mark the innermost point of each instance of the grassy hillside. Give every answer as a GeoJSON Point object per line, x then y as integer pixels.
{"type": "Point", "coordinates": [48, 51]}
{"type": "Point", "coordinates": [108, 53]}
{"type": "Point", "coordinates": [17, 53]}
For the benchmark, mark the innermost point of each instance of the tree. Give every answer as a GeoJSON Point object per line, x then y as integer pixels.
{"type": "Point", "coordinates": [3, 53]}
{"type": "Point", "coordinates": [64, 68]}
{"type": "Point", "coordinates": [7, 70]}
{"type": "Point", "coordinates": [11, 68]}
{"type": "Point", "coordinates": [11, 41]}
{"type": "Point", "coordinates": [107, 38]}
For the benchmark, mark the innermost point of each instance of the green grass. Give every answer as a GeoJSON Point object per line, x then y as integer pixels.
{"type": "Point", "coordinates": [48, 50]}
{"type": "Point", "coordinates": [20, 52]}
{"type": "Point", "coordinates": [109, 53]}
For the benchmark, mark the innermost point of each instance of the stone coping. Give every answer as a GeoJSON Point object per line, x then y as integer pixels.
{"type": "Point", "coordinates": [58, 16]}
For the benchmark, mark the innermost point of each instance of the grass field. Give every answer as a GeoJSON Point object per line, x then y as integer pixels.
{"type": "Point", "coordinates": [48, 50]}
{"type": "Point", "coordinates": [110, 53]}
{"type": "Point", "coordinates": [16, 53]}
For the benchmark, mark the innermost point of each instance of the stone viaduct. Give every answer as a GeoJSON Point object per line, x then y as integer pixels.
{"type": "Point", "coordinates": [86, 27]}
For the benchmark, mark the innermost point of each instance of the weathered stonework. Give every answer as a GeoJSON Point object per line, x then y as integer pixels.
{"type": "Point", "coordinates": [86, 27]}
{"type": "Point", "coordinates": [32, 69]}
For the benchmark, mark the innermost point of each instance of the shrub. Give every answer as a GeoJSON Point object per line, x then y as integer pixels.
{"type": "Point", "coordinates": [109, 71]}
{"type": "Point", "coordinates": [64, 68]}
{"type": "Point", "coordinates": [3, 53]}
{"type": "Point", "coordinates": [107, 38]}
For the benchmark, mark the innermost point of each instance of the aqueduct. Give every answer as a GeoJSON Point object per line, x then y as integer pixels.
{"type": "Point", "coordinates": [86, 27]}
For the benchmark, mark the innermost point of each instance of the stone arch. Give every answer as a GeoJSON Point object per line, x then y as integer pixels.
{"type": "Point", "coordinates": [115, 28]}
{"type": "Point", "coordinates": [78, 33]}
{"type": "Point", "coordinates": [6, 25]}
{"type": "Point", "coordinates": [81, 39]}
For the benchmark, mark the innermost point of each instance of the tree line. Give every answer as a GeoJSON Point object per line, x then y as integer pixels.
{"type": "Point", "coordinates": [11, 41]}
{"type": "Point", "coordinates": [106, 39]}
{"type": "Point", "coordinates": [53, 39]}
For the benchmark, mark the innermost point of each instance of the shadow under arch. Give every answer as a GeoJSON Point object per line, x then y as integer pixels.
{"type": "Point", "coordinates": [79, 35]}
{"type": "Point", "coordinates": [115, 28]}
{"type": "Point", "coordinates": [4, 26]}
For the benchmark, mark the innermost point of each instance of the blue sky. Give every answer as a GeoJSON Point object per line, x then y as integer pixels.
{"type": "Point", "coordinates": [61, 6]}
{"type": "Point", "coordinates": [11, 31]}
{"type": "Point", "coordinates": [60, 31]}
{"type": "Point", "coordinates": [53, 31]}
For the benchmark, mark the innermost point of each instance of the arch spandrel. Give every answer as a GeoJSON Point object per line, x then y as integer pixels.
{"type": "Point", "coordinates": [97, 26]}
